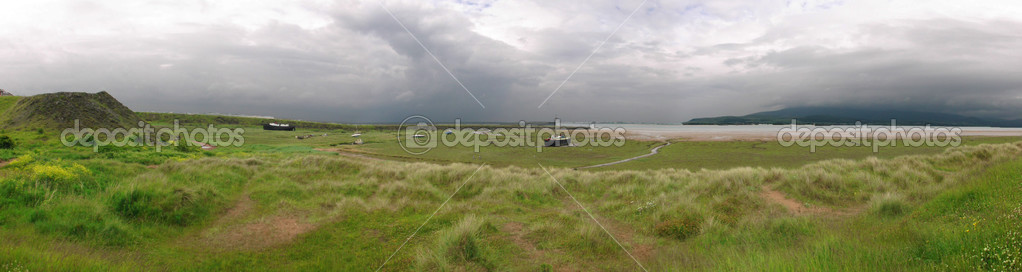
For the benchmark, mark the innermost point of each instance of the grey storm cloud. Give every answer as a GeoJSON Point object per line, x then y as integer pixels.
{"type": "Point", "coordinates": [350, 61]}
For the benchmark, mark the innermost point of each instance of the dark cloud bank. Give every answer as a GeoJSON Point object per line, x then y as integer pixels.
{"type": "Point", "coordinates": [363, 67]}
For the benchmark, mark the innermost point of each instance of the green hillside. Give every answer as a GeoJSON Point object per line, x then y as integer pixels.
{"type": "Point", "coordinates": [6, 102]}
{"type": "Point", "coordinates": [60, 110]}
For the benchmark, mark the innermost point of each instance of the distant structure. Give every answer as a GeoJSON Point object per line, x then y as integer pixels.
{"type": "Point", "coordinates": [5, 93]}
{"type": "Point", "coordinates": [276, 126]}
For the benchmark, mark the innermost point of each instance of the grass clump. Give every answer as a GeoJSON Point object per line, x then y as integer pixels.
{"type": "Point", "coordinates": [460, 246]}
{"type": "Point", "coordinates": [82, 220]}
{"type": "Point", "coordinates": [681, 227]}
{"type": "Point", "coordinates": [889, 205]}
{"type": "Point", "coordinates": [178, 206]}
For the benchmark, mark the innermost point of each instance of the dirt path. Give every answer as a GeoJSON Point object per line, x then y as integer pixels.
{"type": "Point", "coordinates": [235, 229]}
{"type": "Point", "coordinates": [652, 152]}
{"type": "Point", "coordinates": [5, 163]}
{"type": "Point", "coordinates": [799, 208]}
{"type": "Point", "coordinates": [346, 153]}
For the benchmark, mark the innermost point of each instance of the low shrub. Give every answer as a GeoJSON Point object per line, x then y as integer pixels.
{"type": "Point", "coordinates": [22, 161]}
{"type": "Point", "coordinates": [731, 209]}
{"type": "Point", "coordinates": [187, 148]}
{"type": "Point", "coordinates": [6, 142]}
{"type": "Point", "coordinates": [681, 228]}
{"type": "Point", "coordinates": [58, 174]}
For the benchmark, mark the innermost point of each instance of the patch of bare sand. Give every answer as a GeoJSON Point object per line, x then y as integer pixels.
{"type": "Point", "coordinates": [263, 233]}
{"type": "Point", "coordinates": [232, 232]}
{"type": "Point", "coordinates": [798, 208]}
{"type": "Point", "coordinates": [625, 234]}
{"type": "Point", "coordinates": [540, 256]}
{"type": "Point", "coordinates": [518, 237]}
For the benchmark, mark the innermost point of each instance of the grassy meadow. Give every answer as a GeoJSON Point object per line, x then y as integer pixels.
{"type": "Point", "coordinates": [281, 203]}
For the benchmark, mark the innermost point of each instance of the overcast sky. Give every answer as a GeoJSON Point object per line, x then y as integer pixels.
{"type": "Point", "coordinates": [351, 61]}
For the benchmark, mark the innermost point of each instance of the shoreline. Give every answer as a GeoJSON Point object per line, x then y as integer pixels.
{"type": "Point", "coordinates": [760, 134]}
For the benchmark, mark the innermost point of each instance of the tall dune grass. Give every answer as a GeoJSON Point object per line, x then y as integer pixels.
{"type": "Point", "coordinates": [669, 218]}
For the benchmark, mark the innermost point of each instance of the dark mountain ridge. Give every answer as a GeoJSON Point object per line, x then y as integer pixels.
{"type": "Point", "coordinates": [848, 116]}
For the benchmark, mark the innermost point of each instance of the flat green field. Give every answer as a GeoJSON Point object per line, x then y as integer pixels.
{"type": "Point", "coordinates": [691, 155]}
{"type": "Point", "coordinates": [281, 203]}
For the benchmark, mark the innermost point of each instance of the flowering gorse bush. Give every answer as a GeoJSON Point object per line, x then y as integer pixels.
{"type": "Point", "coordinates": [57, 173]}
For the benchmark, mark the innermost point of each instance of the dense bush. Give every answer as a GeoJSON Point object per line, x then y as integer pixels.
{"type": "Point", "coordinates": [186, 148]}
{"type": "Point", "coordinates": [57, 174]}
{"type": "Point", "coordinates": [6, 142]}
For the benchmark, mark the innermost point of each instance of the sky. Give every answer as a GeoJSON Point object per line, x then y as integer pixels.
{"type": "Point", "coordinates": [504, 61]}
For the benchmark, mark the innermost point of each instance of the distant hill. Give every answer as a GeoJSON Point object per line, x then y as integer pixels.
{"type": "Point", "coordinates": [167, 119]}
{"type": "Point", "coordinates": [60, 110]}
{"type": "Point", "coordinates": [847, 116]}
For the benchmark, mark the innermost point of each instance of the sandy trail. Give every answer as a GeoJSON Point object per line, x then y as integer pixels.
{"type": "Point", "coordinates": [348, 153]}
{"type": "Point", "coordinates": [652, 152]}
{"type": "Point", "coordinates": [798, 208]}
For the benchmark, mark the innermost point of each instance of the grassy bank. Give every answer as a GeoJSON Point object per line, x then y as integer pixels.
{"type": "Point", "coordinates": [695, 155]}
{"type": "Point", "coordinates": [257, 210]}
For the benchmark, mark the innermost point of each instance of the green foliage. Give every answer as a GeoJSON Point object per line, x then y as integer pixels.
{"type": "Point", "coordinates": [6, 142]}
{"type": "Point", "coordinates": [178, 206]}
{"type": "Point", "coordinates": [914, 211]}
{"type": "Point", "coordinates": [57, 175]}
{"type": "Point", "coordinates": [82, 221]}
{"type": "Point", "coordinates": [684, 226]}
{"type": "Point", "coordinates": [15, 193]}
{"type": "Point", "coordinates": [186, 148]}
{"type": "Point", "coordinates": [890, 205]}
{"type": "Point", "coordinates": [202, 120]}
{"type": "Point", "coordinates": [57, 111]}
{"type": "Point", "coordinates": [459, 245]}
{"type": "Point", "coordinates": [1003, 254]}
